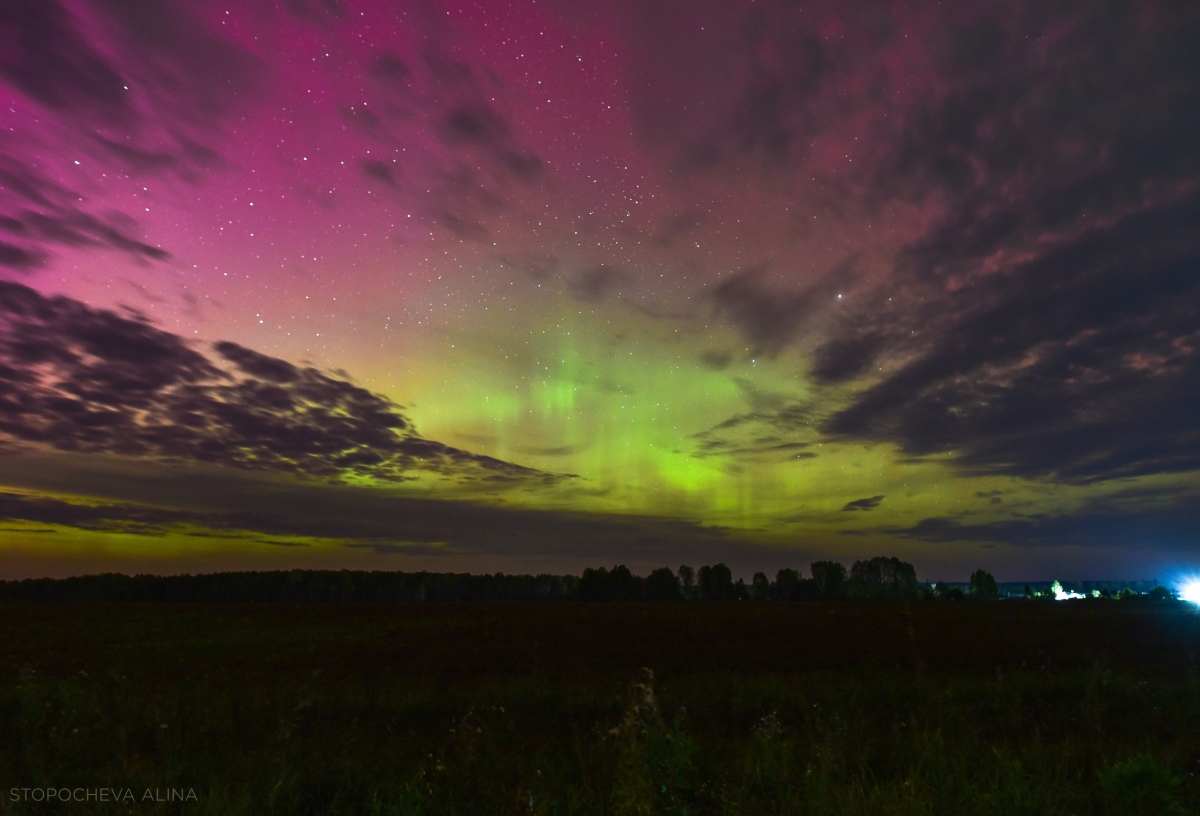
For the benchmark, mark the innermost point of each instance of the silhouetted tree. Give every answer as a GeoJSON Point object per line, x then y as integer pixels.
{"type": "Point", "coordinates": [687, 581]}
{"type": "Point", "coordinates": [716, 583]}
{"type": "Point", "coordinates": [806, 590]}
{"type": "Point", "coordinates": [760, 587]}
{"type": "Point", "coordinates": [946, 592]}
{"type": "Point", "coordinates": [617, 584]}
{"type": "Point", "coordinates": [624, 585]}
{"type": "Point", "coordinates": [830, 578]}
{"type": "Point", "coordinates": [296, 586]}
{"type": "Point", "coordinates": [983, 586]}
{"type": "Point", "coordinates": [787, 585]}
{"type": "Point", "coordinates": [593, 584]}
{"type": "Point", "coordinates": [662, 585]}
{"type": "Point", "coordinates": [883, 578]}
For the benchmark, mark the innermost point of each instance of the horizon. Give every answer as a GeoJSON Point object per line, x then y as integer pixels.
{"type": "Point", "coordinates": [529, 287]}
{"type": "Point", "coordinates": [888, 581]}
{"type": "Point", "coordinates": [1176, 582]}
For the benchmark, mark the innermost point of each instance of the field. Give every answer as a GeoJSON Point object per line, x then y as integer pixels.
{"type": "Point", "coordinates": [1085, 707]}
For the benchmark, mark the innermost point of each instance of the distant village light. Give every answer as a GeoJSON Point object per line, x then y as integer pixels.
{"type": "Point", "coordinates": [1063, 595]}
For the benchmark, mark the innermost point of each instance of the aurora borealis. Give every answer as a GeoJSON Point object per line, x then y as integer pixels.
{"type": "Point", "coordinates": [533, 286]}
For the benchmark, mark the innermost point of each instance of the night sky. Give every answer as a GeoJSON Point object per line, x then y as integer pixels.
{"type": "Point", "coordinates": [534, 286]}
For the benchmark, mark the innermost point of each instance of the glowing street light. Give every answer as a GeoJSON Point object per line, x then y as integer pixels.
{"type": "Point", "coordinates": [1189, 591]}
{"type": "Point", "coordinates": [1064, 595]}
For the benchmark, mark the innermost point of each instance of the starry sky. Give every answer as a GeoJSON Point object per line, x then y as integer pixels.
{"type": "Point", "coordinates": [533, 286]}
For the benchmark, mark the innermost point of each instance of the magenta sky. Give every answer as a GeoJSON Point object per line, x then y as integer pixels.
{"type": "Point", "coordinates": [650, 282]}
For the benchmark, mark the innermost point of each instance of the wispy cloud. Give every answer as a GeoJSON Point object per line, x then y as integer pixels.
{"type": "Point", "coordinates": [76, 378]}
{"type": "Point", "coordinates": [863, 504]}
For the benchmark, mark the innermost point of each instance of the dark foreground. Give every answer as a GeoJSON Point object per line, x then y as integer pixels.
{"type": "Point", "coordinates": [1084, 707]}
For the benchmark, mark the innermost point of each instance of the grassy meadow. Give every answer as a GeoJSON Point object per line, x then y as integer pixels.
{"type": "Point", "coordinates": [1013, 707]}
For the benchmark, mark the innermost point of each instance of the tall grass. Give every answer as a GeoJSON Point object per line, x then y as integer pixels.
{"type": "Point", "coordinates": [709, 744]}
{"type": "Point", "coordinates": [286, 736]}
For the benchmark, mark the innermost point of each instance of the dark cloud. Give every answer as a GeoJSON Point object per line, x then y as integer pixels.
{"type": "Point", "coordinates": [770, 429]}
{"type": "Point", "coordinates": [1081, 365]}
{"type": "Point", "coordinates": [1054, 308]}
{"type": "Point", "coordinates": [189, 75]}
{"type": "Point", "coordinates": [479, 126]}
{"type": "Point", "coordinates": [390, 68]}
{"type": "Point", "coordinates": [1171, 528]}
{"type": "Point", "coordinates": [770, 317]}
{"type": "Point", "coordinates": [465, 229]}
{"type": "Point", "coordinates": [442, 63]}
{"type": "Point", "coordinates": [317, 11]}
{"type": "Point", "coordinates": [379, 171]}
{"type": "Point", "coordinates": [717, 82]}
{"type": "Point", "coordinates": [432, 94]}
{"type": "Point", "coordinates": [70, 227]}
{"type": "Point", "coordinates": [46, 57]}
{"type": "Point", "coordinates": [80, 379]}
{"type": "Point", "coordinates": [145, 87]}
{"type": "Point", "coordinates": [41, 214]}
{"type": "Point", "coordinates": [365, 119]}
{"type": "Point", "coordinates": [144, 65]}
{"type": "Point", "coordinates": [19, 258]}
{"type": "Point", "coordinates": [238, 506]}
{"type": "Point", "coordinates": [714, 445]}
{"type": "Point", "coordinates": [1048, 126]}
{"type": "Point", "coordinates": [474, 123]}
{"type": "Point", "coordinates": [555, 450]}
{"type": "Point", "coordinates": [863, 504]}
{"type": "Point", "coordinates": [391, 548]}
{"type": "Point", "coordinates": [716, 359]}
{"type": "Point", "coordinates": [1041, 317]}
{"type": "Point", "coordinates": [538, 266]}
{"type": "Point", "coordinates": [154, 161]}
{"type": "Point", "coordinates": [526, 167]}
{"type": "Point", "coordinates": [597, 284]}
{"type": "Point", "coordinates": [844, 358]}
{"type": "Point", "coordinates": [140, 84]}
{"type": "Point", "coordinates": [1049, 107]}
{"type": "Point", "coordinates": [121, 518]}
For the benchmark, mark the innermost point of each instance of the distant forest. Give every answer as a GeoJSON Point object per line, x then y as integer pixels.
{"type": "Point", "coordinates": [876, 578]}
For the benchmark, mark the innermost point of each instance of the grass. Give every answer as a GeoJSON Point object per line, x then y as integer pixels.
{"type": "Point", "coordinates": [749, 708]}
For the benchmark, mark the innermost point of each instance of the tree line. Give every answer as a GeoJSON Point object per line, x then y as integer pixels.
{"type": "Point", "coordinates": [876, 578]}
{"type": "Point", "coordinates": [295, 586]}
